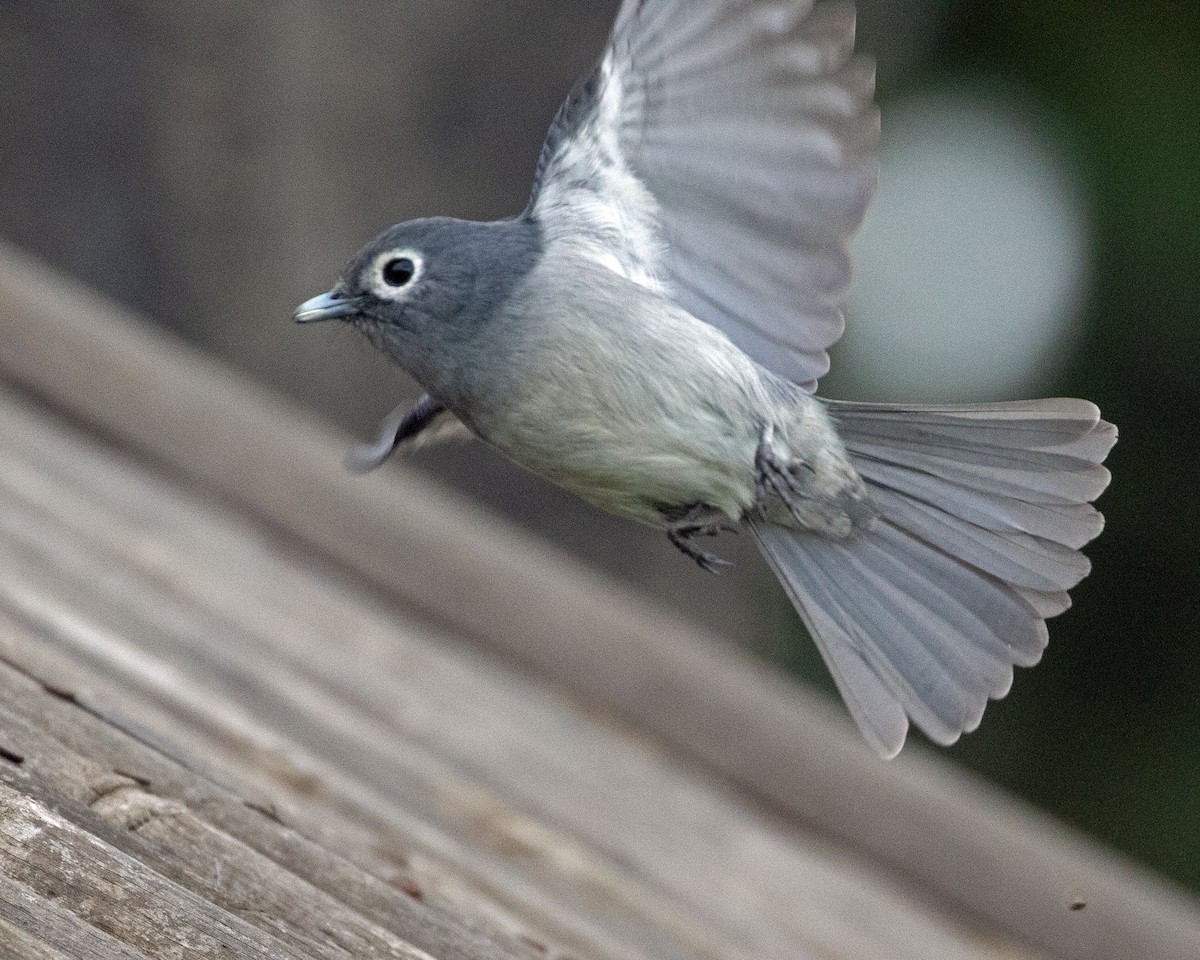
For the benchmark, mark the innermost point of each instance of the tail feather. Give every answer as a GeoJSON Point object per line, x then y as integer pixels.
{"type": "Point", "coordinates": [1021, 559]}
{"type": "Point", "coordinates": [1048, 605]}
{"type": "Point", "coordinates": [982, 512]}
{"type": "Point", "coordinates": [974, 468]}
{"type": "Point", "coordinates": [1071, 525]}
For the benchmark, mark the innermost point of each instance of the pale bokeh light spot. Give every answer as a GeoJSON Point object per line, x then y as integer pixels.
{"type": "Point", "coordinates": [973, 261]}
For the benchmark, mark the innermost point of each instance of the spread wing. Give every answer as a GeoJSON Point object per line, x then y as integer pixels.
{"type": "Point", "coordinates": [723, 152]}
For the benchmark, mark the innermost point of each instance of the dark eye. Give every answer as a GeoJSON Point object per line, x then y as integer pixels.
{"type": "Point", "coordinates": [398, 272]}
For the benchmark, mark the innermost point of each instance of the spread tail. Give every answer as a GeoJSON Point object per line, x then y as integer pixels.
{"type": "Point", "coordinates": [982, 512]}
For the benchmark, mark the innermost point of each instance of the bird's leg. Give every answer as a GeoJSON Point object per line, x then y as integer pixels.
{"type": "Point", "coordinates": [701, 520]}
{"type": "Point", "coordinates": [400, 425]}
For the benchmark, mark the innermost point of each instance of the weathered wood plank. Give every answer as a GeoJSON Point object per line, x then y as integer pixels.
{"type": "Point", "coordinates": [189, 840]}
{"type": "Point", "coordinates": [474, 749]}
{"type": "Point", "coordinates": [364, 825]}
{"type": "Point", "coordinates": [83, 756]}
{"type": "Point", "coordinates": [33, 927]}
{"type": "Point", "coordinates": [962, 844]}
{"type": "Point", "coordinates": [85, 870]}
{"type": "Point", "coordinates": [17, 944]}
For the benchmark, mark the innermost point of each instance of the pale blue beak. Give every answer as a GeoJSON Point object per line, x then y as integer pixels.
{"type": "Point", "coordinates": [328, 306]}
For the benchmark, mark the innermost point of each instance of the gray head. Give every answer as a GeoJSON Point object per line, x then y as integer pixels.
{"type": "Point", "coordinates": [423, 290]}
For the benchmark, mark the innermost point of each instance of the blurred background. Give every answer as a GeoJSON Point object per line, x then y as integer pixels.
{"type": "Point", "coordinates": [1036, 233]}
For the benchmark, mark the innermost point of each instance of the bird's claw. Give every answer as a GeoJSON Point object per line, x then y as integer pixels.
{"type": "Point", "coordinates": [700, 522]}
{"type": "Point", "coordinates": [711, 563]}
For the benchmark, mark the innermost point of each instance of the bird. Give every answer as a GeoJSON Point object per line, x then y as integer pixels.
{"type": "Point", "coordinates": [649, 333]}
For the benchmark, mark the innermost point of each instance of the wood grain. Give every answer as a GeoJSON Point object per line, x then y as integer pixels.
{"type": "Point", "coordinates": [82, 866]}
{"type": "Point", "coordinates": [34, 927]}
{"type": "Point", "coordinates": [118, 777]}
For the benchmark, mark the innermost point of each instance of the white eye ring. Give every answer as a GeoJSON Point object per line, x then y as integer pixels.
{"type": "Point", "coordinates": [380, 268]}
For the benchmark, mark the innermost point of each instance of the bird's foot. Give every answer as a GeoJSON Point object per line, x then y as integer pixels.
{"type": "Point", "coordinates": [701, 520]}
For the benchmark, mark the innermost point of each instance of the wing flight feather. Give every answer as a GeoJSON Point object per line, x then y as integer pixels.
{"type": "Point", "coordinates": [722, 152]}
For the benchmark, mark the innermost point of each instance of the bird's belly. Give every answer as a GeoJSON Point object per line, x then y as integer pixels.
{"type": "Point", "coordinates": [645, 467]}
